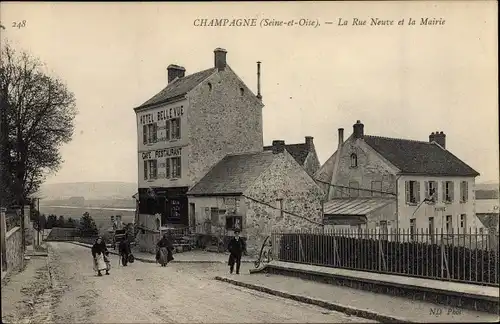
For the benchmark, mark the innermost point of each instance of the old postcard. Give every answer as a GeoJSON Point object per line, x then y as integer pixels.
{"type": "Point", "coordinates": [229, 162]}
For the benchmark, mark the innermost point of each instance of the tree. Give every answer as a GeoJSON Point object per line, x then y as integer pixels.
{"type": "Point", "coordinates": [87, 227]}
{"type": "Point", "coordinates": [39, 117]}
{"type": "Point", "coordinates": [61, 222]}
{"type": "Point", "coordinates": [51, 221]}
{"type": "Point", "coordinates": [70, 223]}
{"type": "Point", "coordinates": [42, 221]}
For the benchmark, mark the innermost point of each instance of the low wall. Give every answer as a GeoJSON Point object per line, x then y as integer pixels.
{"type": "Point", "coordinates": [14, 249]}
{"type": "Point", "coordinates": [147, 241]}
{"type": "Point", "coordinates": [429, 294]}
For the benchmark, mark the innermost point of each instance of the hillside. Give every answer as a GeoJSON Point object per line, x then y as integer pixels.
{"type": "Point", "coordinates": [88, 190]}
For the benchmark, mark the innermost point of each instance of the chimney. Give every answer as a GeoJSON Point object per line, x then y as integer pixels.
{"type": "Point", "coordinates": [175, 71]}
{"type": "Point", "coordinates": [220, 58]}
{"type": "Point", "coordinates": [432, 137]}
{"type": "Point", "coordinates": [278, 146]}
{"type": "Point", "coordinates": [259, 96]}
{"type": "Point", "coordinates": [309, 143]}
{"type": "Point", "coordinates": [341, 136]}
{"type": "Point", "coordinates": [358, 129]}
{"type": "Point", "coordinates": [440, 138]}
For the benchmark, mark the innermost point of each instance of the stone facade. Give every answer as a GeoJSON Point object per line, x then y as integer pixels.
{"type": "Point", "coordinates": [370, 167]}
{"type": "Point", "coordinates": [312, 164]}
{"type": "Point", "coordinates": [300, 195]}
{"type": "Point", "coordinates": [14, 249]}
{"type": "Point", "coordinates": [225, 117]}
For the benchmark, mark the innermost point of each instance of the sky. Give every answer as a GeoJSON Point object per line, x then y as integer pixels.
{"type": "Point", "coordinates": [400, 81]}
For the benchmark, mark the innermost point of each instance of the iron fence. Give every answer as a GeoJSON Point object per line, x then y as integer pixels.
{"type": "Point", "coordinates": [469, 257]}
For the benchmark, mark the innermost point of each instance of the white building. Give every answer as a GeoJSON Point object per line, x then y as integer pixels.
{"type": "Point", "coordinates": [430, 188]}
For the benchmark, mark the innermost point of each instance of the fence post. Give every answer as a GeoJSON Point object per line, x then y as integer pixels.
{"type": "Point", "coordinates": [3, 242]}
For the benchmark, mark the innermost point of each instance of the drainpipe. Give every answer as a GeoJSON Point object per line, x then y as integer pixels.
{"type": "Point", "coordinates": [397, 204]}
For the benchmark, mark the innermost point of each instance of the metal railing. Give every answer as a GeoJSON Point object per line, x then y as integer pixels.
{"type": "Point", "coordinates": [469, 257]}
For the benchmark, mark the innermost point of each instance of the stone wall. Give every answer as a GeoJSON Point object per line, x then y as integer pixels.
{"type": "Point", "coordinates": [311, 164]}
{"type": "Point", "coordinates": [224, 117]}
{"type": "Point", "coordinates": [285, 180]}
{"type": "Point", "coordinates": [14, 249]}
{"type": "Point", "coordinates": [371, 167]}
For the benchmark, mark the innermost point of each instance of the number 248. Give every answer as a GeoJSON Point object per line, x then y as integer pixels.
{"type": "Point", "coordinates": [19, 24]}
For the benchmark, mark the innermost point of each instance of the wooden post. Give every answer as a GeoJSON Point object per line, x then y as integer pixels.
{"type": "Point", "coordinates": [3, 239]}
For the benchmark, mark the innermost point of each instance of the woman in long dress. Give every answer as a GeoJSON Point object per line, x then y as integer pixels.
{"type": "Point", "coordinates": [99, 250]}
{"type": "Point", "coordinates": [164, 250]}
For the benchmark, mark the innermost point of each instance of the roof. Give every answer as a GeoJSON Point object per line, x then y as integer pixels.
{"type": "Point", "coordinates": [355, 206]}
{"type": "Point", "coordinates": [416, 157]}
{"type": "Point", "coordinates": [233, 174]}
{"type": "Point", "coordinates": [298, 151]}
{"type": "Point", "coordinates": [178, 87]}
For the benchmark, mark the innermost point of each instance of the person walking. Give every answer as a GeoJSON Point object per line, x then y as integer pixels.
{"type": "Point", "coordinates": [236, 248]}
{"type": "Point", "coordinates": [99, 251]}
{"type": "Point", "coordinates": [124, 250]}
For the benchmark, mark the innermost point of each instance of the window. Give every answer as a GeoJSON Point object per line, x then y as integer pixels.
{"type": "Point", "coordinates": [354, 160]}
{"type": "Point", "coordinates": [431, 192]}
{"type": "Point", "coordinates": [449, 225]}
{"type": "Point", "coordinates": [463, 222]}
{"type": "Point", "coordinates": [168, 169]}
{"type": "Point", "coordinates": [215, 214]}
{"type": "Point", "coordinates": [464, 191]}
{"type": "Point", "coordinates": [376, 188]}
{"type": "Point", "coordinates": [149, 133]}
{"type": "Point", "coordinates": [384, 230]}
{"type": "Point", "coordinates": [209, 86]}
{"type": "Point", "coordinates": [233, 223]}
{"type": "Point", "coordinates": [413, 228]}
{"type": "Point", "coordinates": [431, 225]}
{"type": "Point", "coordinates": [176, 128]}
{"type": "Point", "coordinates": [353, 189]}
{"type": "Point", "coordinates": [242, 91]}
{"type": "Point", "coordinates": [176, 167]}
{"type": "Point", "coordinates": [448, 191]}
{"type": "Point", "coordinates": [412, 192]}
{"type": "Point", "coordinates": [150, 170]}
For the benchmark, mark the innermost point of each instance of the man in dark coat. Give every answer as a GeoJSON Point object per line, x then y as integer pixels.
{"type": "Point", "coordinates": [236, 248]}
{"type": "Point", "coordinates": [124, 250]}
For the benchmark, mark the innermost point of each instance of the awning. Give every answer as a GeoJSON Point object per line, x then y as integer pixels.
{"type": "Point", "coordinates": [355, 206]}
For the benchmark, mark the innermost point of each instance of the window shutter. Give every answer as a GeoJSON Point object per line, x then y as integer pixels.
{"type": "Point", "coordinates": [155, 132]}
{"type": "Point", "coordinates": [144, 134]}
{"type": "Point", "coordinates": [167, 130]}
{"type": "Point", "coordinates": [146, 170]}
{"type": "Point", "coordinates": [466, 185]}
{"type": "Point", "coordinates": [417, 191]}
{"type": "Point", "coordinates": [444, 191]}
{"type": "Point", "coordinates": [179, 128]}
{"type": "Point", "coordinates": [436, 191]}
{"type": "Point", "coordinates": [426, 187]}
{"type": "Point", "coordinates": [452, 194]}
{"type": "Point", "coordinates": [407, 190]}
{"type": "Point", "coordinates": [155, 169]}
{"type": "Point", "coordinates": [167, 168]}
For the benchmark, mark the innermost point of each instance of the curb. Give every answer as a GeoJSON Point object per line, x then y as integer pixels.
{"type": "Point", "coordinates": [371, 315]}
{"type": "Point", "coordinates": [154, 261]}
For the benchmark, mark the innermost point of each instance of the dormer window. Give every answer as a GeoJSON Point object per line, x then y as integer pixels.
{"type": "Point", "coordinates": [209, 86]}
{"type": "Point", "coordinates": [242, 91]}
{"type": "Point", "coordinates": [354, 160]}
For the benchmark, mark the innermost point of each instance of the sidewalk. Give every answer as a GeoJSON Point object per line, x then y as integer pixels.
{"type": "Point", "coordinates": [196, 256]}
{"type": "Point", "coordinates": [360, 303]}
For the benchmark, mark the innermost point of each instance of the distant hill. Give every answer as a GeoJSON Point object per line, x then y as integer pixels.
{"type": "Point", "coordinates": [487, 190]}
{"type": "Point", "coordinates": [88, 190]}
